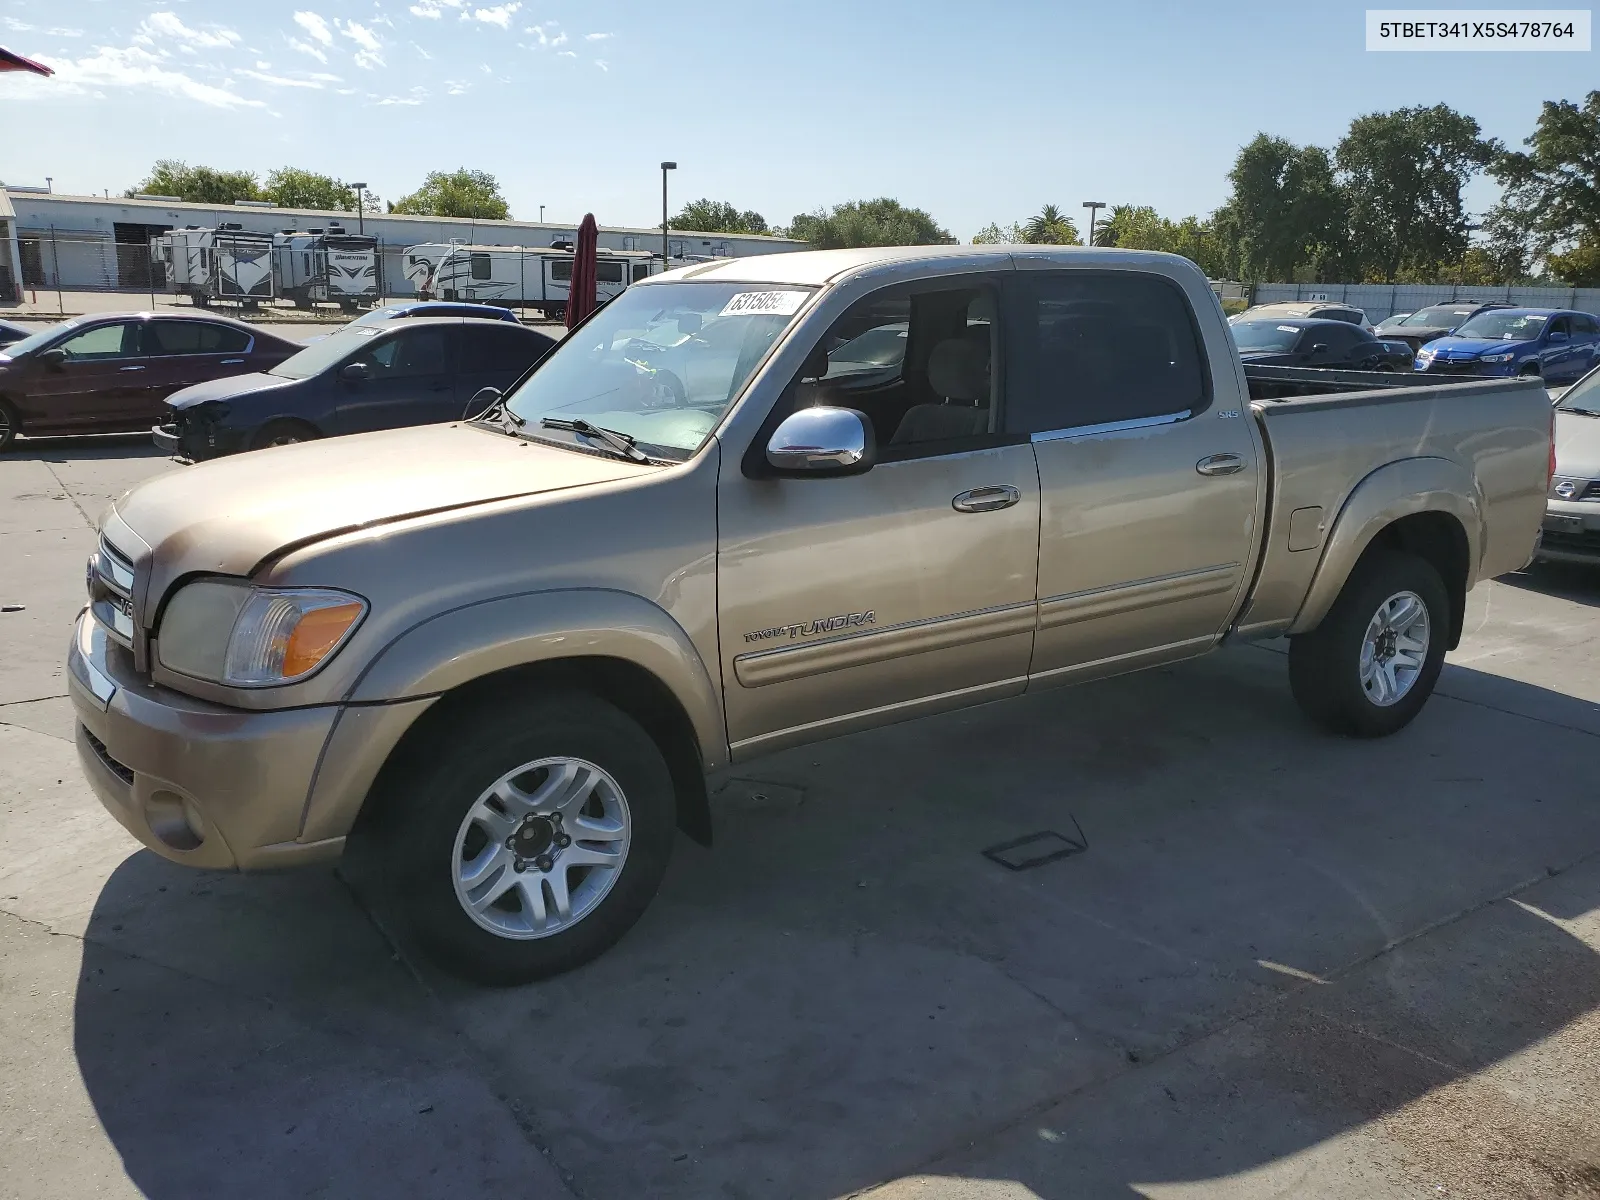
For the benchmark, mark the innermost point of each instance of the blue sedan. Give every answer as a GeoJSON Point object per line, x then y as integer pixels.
{"type": "Point", "coordinates": [1556, 344]}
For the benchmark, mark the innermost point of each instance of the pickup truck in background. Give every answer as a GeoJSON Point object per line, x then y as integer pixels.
{"type": "Point", "coordinates": [709, 525]}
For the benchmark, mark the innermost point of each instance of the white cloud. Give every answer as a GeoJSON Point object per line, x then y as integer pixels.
{"type": "Point", "coordinates": [567, 53]}
{"type": "Point", "coordinates": [263, 66]}
{"type": "Point", "coordinates": [23, 27]}
{"type": "Point", "coordinates": [454, 87]}
{"type": "Point", "coordinates": [601, 63]}
{"type": "Point", "coordinates": [307, 48]}
{"type": "Point", "coordinates": [316, 28]}
{"type": "Point", "coordinates": [406, 100]}
{"type": "Point", "coordinates": [281, 80]}
{"type": "Point", "coordinates": [499, 15]}
{"type": "Point", "coordinates": [596, 37]}
{"type": "Point", "coordinates": [421, 51]}
{"type": "Point", "coordinates": [135, 67]}
{"type": "Point", "coordinates": [540, 31]}
{"type": "Point", "coordinates": [430, 10]}
{"type": "Point", "coordinates": [167, 25]}
{"type": "Point", "coordinates": [370, 53]}
{"type": "Point", "coordinates": [323, 77]}
{"type": "Point", "coordinates": [560, 39]}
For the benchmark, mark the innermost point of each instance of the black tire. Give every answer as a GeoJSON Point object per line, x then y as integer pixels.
{"type": "Point", "coordinates": [431, 809]}
{"type": "Point", "coordinates": [9, 425]}
{"type": "Point", "coordinates": [1325, 665]}
{"type": "Point", "coordinates": [283, 433]}
{"type": "Point", "coordinates": [1530, 371]}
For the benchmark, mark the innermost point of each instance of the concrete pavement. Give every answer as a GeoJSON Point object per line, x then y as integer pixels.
{"type": "Point", "coordinates": [1286, 965]}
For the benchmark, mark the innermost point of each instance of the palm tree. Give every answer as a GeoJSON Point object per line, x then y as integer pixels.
{"type": "Point", "coordinates": [1051, 227]}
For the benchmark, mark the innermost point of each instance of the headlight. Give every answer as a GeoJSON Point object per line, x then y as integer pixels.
{"type": "Point", "coordinates": [1506, 357]}
{"type": "Point", "coordinates": [1425, 355]}
{"type": "Point", "coordinates": [243, 636]}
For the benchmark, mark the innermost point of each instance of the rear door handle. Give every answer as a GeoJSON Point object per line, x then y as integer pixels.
{"type": "Point", "coordinates": [1220, 464]}
{"type": "Point", "coordinates": [130, 368]}
{"type": "Point", "coordinates": [232, 362]}
{"type": "Point", "coordinates": [986, 499]}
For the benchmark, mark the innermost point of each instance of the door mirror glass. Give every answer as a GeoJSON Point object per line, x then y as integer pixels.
{"type": "Point", "coordinates": [354, 372]}
{"type": "Point", "coordinates": [1557, 337]}
{"type": "Point", "coordinates": [1320, 348]}
{"type": "Point", "coordinates": [52, 357]}
{"type": "Point", "coordinates": [482, 401]}
{"type": "Point", "coordinates": [823, 441]}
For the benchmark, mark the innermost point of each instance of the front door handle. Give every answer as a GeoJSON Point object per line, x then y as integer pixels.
{"type": "Point", "coordinates": [986, 499]}
{"type": "Point", "coordinates": [232, 362]}
{"type": "Point", "coordinates": [130, 368]}
{"type": "Point", "coordinates": [1220, 464]}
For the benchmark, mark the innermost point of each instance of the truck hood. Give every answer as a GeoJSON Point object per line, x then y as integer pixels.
{"type": "Point", "coordinates": [1577, 445]}
{"type": "Point", "coordinates": [1458, 347]}
{"type": "Point", "coordinates": [231, 514]}
{"type": "Point", "coordinates": [224, 389]}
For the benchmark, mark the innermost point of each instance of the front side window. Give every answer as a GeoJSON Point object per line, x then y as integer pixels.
{"type": "Point", "coordinates": [1102, 347]}
{"type": "Point", "coordinates": [413, 352]}
{"type": "Point", "coordinates": [661, 363]}
{"type": "Point", "coordinates": [120, 340]}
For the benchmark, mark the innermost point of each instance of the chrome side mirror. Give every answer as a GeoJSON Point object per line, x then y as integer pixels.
{"type": "Point", "coordinates": [354, 372]}
{"type": "Point", "coordinates": [823, 441]}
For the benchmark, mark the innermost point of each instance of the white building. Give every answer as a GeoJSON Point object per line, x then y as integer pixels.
{"type": "Point", "coordinates": [95, 242]}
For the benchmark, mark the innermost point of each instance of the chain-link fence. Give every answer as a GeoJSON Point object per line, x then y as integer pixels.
{"type": "Point", "coordinates": [1380, 300]}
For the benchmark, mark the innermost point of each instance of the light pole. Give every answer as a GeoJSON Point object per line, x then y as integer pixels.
{"type": "Point", "coordinates": [361, 205]}
{"type": "Point", "coordinates": [1093, 206]}
{"type": "Point", "coordinates": [666, 257]}
{"type": "Point", "coordinates": [541, 214]}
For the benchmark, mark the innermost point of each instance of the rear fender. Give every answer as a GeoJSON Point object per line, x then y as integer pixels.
{"type": "Point", "coordinates": [1400, 489]}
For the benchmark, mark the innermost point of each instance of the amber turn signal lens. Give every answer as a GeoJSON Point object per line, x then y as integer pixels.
{"type": "Point", "coordinates": [318, 633]}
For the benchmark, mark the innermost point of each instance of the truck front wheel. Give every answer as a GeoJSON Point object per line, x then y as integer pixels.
{"type": "Point", "coordinates": [534, 838]}
{"type": "Point", "coordinates": [1371, 665]}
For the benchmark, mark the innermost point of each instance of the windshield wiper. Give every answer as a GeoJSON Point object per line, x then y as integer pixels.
{"type": "Point", "coordinates": [499, 413]}
{"type": "Point", "coordinates": [1586, 412]}
{"type": "Point", "coordinates": [619, 442]}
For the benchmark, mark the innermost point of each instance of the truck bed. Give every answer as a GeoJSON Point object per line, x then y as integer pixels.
{"type": "Point", "coordinates": [1280, 383]}
{"type": "Point", "coordinates": [1477, 448]}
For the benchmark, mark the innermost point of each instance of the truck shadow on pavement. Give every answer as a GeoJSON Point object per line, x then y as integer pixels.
{"type": "Point", "coordinates": [1566, 581]}
{"type": "Point", "coordinates": [1275, 940]}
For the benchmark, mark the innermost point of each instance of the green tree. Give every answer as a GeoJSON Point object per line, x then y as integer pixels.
{"type": "Point", "coordinates": [198, 185]}
{"type": "Point", "coordinates": [1285, 215]}
{"type": "Point", "coordinates": [718, 216]}
{"type": "Point", "coordinates": [458, 193]}
{"type": "Point", "coordinates": [1051, 227]}
{"type": "Point", "coordinates": [881, 222]}
{"type": "Point", "coordinates": [1552, 191]}
{"type": "Point", "coordinates": [993, 234]}
{"type": "Point", "coordinates": [292, 187]}
{"type": "Point", "coordinates": [1402, 174]}
{"type": "Point", "coordinates": [1142, 228]}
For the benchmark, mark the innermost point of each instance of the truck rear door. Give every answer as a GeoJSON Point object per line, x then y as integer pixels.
{"type": "Point", "coordinates": [1148, 472]}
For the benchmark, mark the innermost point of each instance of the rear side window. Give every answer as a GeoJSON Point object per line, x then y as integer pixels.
{"type": "Point", "coordinates": [193, 337]}
{"type": "Point", "coordinates": [481, 268]}
{"type": "Point", "coordinates": [609, 272]}
{"type": "Point", "coordinates": [1582, 323]}
{"type": "Point", "coordinates": [1099, 347]}
{"type": "Point", "coordinates": [499, 350]}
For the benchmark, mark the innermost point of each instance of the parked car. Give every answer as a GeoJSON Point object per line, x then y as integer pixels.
{"type": "Point", "coordinates": [514, 647]}
{"type": "Point", "coordinates": [1555, 344]}
{"type": "Point", "coordinates": [112, 373]}
{"type": "Point", "coordinates": [1418, 328]}
{"type": "Point", "coordinates": [1572, 509]}
{"type": "Point", "coordinates": [1293, 309]}
{"type": "Point", "coordinates": [434, 308]}
{"type": "Point", "coordinates": [11, 332]}
{"type": "Point", "coordinates": [364, 377]}
{"type": "Point", "coordinates": [1315, 342]}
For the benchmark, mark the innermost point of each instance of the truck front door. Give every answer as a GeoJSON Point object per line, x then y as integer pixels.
{"type": "Point", "coordinates": [1147, 468]}
{"type": "Point", "coordinates": [854, 601]}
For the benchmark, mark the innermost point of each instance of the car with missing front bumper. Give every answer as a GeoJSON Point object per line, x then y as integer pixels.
{"type": "Point", "coordinates": [509, 650]}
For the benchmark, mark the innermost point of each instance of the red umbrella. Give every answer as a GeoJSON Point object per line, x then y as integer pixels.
{"type": "Point", "coordinates": [12, 61]}
{"type": "Point", "coordinates": [581, 296]}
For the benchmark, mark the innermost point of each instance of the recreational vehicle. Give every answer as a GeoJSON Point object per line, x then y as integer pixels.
{"type": "Point", "coordinates": [227, 263]}
{"type": "Point", "coordinates": [326, 266]}
{"type": "Point", "coordinates": [531, 276]}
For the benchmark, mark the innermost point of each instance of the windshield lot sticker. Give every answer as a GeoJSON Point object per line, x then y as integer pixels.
{"type": "Point", "coordinates": [763, 304]}
{"type": "Point", "coordinates": [808, 628]}
{"type": "Point", "coordinates": [1288, 329]}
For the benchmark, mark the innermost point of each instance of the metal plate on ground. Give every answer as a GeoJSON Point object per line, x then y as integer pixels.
{"type": "Point", "coordinates": [1036, 849]}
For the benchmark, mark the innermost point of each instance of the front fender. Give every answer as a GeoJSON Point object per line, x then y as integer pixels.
{"type": "Point", "coordinates": [1399, 489]}
{"type": "Point", "coordinates": [457, 647]}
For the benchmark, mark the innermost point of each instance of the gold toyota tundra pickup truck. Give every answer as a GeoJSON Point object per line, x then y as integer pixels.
{"type": "Point", "coordinates": [751, 504]}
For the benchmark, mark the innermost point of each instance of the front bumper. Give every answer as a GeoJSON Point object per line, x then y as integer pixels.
{"type": "Point", "coordinates": [1465, 366]}
{"type": "Point", "coordinates": [198, 783]}
{"type": "Point", "coordinates": [198, 440]}
{"type": "Point", "coordinates": [1571, 532]}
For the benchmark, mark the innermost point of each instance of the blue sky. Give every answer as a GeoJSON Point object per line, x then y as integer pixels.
{"type": "Point", "coordinates": [976, 112]}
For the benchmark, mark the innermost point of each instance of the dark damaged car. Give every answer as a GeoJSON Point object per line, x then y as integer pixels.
{"type": "Point", "coordinates": [363, 378]}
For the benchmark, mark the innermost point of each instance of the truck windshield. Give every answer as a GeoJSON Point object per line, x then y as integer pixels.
{"type": "Point", "coordinates": [662, 362]}
{"type": "Point", "coordinates": [1264, 335]}
{"type": "Point", "coordinates": [1583, 396]}
{"type": "Point", "coordinates": [1507, 326]}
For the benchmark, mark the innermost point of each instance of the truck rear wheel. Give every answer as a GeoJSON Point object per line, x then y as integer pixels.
{"type": "Point", "coordinates": [1371, 665]}
{"type": "Point", "coordinates": [535, 837]}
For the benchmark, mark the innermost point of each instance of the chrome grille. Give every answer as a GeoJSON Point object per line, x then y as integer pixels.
{"type": "Point", "coordinates": [110, 582]}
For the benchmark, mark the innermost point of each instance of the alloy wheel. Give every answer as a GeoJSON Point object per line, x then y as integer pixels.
{"type": "Point", "coordinates": [1394, 648]}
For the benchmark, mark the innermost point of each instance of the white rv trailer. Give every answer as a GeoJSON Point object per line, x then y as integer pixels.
{"type": "Point", "coordinates": [227, 263]}
{"type": "Point", "coordinates": [316, 266]}
{"type": "Point", "coordinates": [531, 276]}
